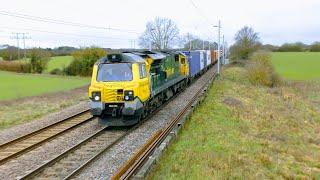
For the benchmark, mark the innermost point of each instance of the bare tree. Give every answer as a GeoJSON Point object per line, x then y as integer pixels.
{"type": "Point", "coordinates": [247, 42]}
{"type": "Point", "coordinates": [161, 33]}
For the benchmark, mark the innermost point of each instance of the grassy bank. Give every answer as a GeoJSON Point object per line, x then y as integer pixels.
{"type": "Point", "coordinates": [245, 132]}
{"type": "Point", "coordinates": [14, 85]}
{"type": "Point", "coordinates": [297, 65]}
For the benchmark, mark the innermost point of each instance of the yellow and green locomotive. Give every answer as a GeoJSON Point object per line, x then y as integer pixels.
{"type": "Point", "coordinates": [128, 86]}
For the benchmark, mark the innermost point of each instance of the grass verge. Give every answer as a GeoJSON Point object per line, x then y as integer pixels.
{"type": "Point", "coordinates": [242, 131]}
{"type": "Point", "coordinates": [23, 110]}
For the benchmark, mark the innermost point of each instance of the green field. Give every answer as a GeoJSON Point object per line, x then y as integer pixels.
{"type": "Point", "coordinates": [14, 85]}
{"type": "Point", "coordinates": [58, 62]}
{"type": "Point", "coordinates": [297, 65]}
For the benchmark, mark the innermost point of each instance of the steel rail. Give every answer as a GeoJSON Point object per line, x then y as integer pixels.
{"type": "Point", "coordinates": [36, 171]}
{"type": "Point", "coordinates": [10, 149]}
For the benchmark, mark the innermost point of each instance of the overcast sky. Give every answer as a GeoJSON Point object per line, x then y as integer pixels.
{"type": "Point", "coordinates": [277, 21]}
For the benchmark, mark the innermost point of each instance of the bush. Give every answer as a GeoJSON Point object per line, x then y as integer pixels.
{"type": "Point", "coordinates": [84, 60]}
{"type": "Point", "coordinates": [10, 53]}
{"type": "Point", "coordinates": [38, 60]}
{"type": "Point", "coordinates": [315, 47]}
{"type": "Point", "coordinates": [261, 71]}
{"type": "Point", "coordinates": [56, 71]}
{"type": "Point", "coordinates": [294, 47]}
{"type": "Point", "coordinates": [26, 67]}
{"type": "Point", "coordinates": [15, 66]}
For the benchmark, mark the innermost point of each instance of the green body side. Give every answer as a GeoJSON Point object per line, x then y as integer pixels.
{"type": "Point", "coordinates": [164, 70]}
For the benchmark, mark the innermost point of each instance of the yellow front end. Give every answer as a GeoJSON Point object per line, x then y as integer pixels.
{"type": "Point", "coordinates": [118, 98]}
{"type": "Point", "coordinates": [113, 92]}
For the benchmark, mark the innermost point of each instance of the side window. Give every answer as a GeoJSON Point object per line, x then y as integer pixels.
{"type": "Point", "coordinates": [142, 69]}
{"type": "Point", "coordinates": [183, 60]}
{"type": "Point", "coordinates": [176, 58]}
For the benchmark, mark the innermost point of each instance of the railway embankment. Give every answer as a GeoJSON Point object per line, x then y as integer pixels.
{"type": "Point", "coordinates": [241, 130]}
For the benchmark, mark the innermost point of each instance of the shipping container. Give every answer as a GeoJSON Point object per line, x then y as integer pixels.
{"type": "Point", "coordinates": [214, 56]}
{"type": "Point", "coordinates": [194, 62]}
{"type": "Point", "coordinates": [204, 55]}
{"type": "Point", "coordinates": [202, 59]}
{"type": "Point", "coordinates": [209, 57]}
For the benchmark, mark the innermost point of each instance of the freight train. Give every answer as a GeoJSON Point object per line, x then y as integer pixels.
{"type": "Point", "coordinates": [128, 86]}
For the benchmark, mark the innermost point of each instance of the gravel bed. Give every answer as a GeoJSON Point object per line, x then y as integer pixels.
{"type": "Point", "coordinates": [31, 160]}
{"type": "Point", "coordinates": [19, 130]}
{"type": "Point", "coordinates": [108, 164]}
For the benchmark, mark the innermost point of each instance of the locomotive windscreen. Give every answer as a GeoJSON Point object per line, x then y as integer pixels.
{"type": "Point", "coordinates": [114, 72]}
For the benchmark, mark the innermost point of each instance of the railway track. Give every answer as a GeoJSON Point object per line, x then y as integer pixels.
{"type": "Point", "coordinates": [25, 143]}
{"type": "Point", "coordinates": [71, 161]}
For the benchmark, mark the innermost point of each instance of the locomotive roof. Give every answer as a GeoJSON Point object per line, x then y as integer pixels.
{"type": "Point", "coordinates": [122, 57]}
{"type": "Point", "coordinates": [152, 54]}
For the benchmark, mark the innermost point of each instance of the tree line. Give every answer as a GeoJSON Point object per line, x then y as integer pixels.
{"type": "Point", "coordinates": [12, 53]}
{"type": "Point", "coordinates": [293, 47]}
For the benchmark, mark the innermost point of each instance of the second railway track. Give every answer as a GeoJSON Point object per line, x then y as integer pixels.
{"type": "Point", "coordinates": [71, 161]}
{"type": "Point", "coordinates": [25, 143]}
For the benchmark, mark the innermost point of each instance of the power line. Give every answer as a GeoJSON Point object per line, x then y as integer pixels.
{"type": "Point", "coordinates": [68, 23]}
{"type": "Point", "coordinates": [61, 33]}
{"type": "Point", "coordinates": [17, 36]}
{"type": "Point", "coordinates": [200, 12]}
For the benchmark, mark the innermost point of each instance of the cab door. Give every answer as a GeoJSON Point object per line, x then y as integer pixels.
{"type": "Point", "coordinates": [143, 83]}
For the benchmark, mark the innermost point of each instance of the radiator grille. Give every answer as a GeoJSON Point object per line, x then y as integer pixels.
{"type": "Point", "coordinates": [113, 95]}
{"type": "Point", "coordinates": [110, 95]}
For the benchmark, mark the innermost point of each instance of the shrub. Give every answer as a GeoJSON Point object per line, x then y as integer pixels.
{"type": "Point", "coordinates": [293, 47]}
{"type": "Point", "coordinates": [38, 60]}
{"type": "Point", "coordinates": [10, 53]}
{"type": "Point", "coordinates": [315, 47]}
{"type": "Point", "coordinates": [26, 67]}
{"type": "Point", "coordinates": [56, 71]}
{"type": "Point", "coordinates": [84, 60]}
{"type": "Point", "coordinates": [261, 71]}
{"type": "Point", "coordinates": [15, 66]}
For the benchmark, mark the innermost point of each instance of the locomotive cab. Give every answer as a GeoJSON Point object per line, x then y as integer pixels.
{"type": "Point", "coordinates": [119, 88]}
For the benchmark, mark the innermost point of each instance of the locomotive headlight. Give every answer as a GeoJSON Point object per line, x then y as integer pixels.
{"type": "Point", "coordinates": [96, 96]}
{"type": "Point", "coordinates": [128, 95]}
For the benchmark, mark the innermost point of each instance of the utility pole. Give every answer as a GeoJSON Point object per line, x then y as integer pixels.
{"type": "Point", "coordinates": [219, 29]}
{"type": "Point", "coordinates": [24, 37]}
{"type": "Point", "coordinates": [223, 49]}
{"type": "Point", "coordinates": [150, 45]}
{"type": "Point", "coordinates": [16, 36]}
{"type": "Point", "coordinates": [202, 44]}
